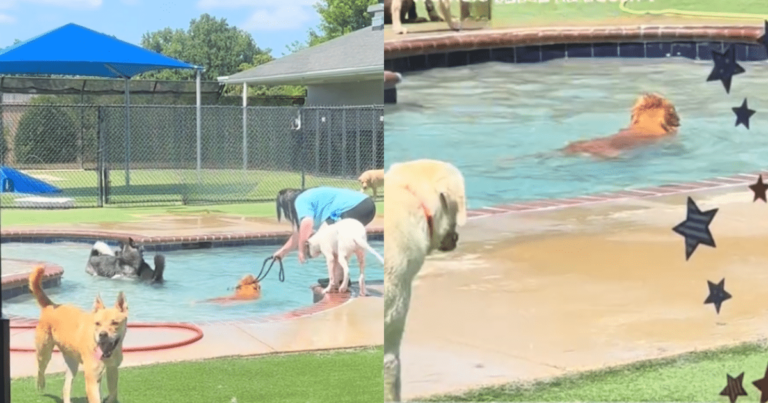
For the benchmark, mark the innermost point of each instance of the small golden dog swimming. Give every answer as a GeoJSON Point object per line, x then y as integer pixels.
{"type": "Point", "coordinates": [653, 118]}
{"type": "Point", "coordinates": [93, 339]}
{"type": "Point", "coordinates": [247, 289]}
{"type": "Point", "coordinates": [373, 179]}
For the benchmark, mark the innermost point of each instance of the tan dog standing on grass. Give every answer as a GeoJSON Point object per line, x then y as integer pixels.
{"type": "Point", "coordinates": [373, 179]}
{"type": "Point", "coordinates": [425, 203]}
{"type": "Point", "coordinates": [93, 339]}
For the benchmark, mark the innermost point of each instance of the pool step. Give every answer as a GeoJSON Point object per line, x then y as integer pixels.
{"type": "Point", "coordinates": [15, 278]}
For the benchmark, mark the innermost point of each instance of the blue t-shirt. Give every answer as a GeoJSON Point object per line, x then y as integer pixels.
{"type": "Point", "coordinates": [322, 203]}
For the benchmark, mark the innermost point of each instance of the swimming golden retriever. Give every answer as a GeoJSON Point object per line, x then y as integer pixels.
{"type": "Point", "coordinates": [653, 118]}
{"type": "Point", "coordinates": [247, 289]}
{"type": "Point", "coordinates": [93, 339]}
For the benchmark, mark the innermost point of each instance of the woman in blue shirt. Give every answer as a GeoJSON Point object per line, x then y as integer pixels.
{"type": "Point", "coordinates": [324, 204]}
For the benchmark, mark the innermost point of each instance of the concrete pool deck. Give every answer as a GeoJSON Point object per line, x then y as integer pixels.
{"type": "Point", "coordinates": [335, 323]}
{"type": "Point", "coordinates": [549, 291]}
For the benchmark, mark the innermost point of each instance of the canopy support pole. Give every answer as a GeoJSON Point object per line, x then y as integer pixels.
{"type": "Point", "coordinates": [127, 133]}
{"type": "Point", "coordinates": [199, 124]}
{"type": "Point", "coordinates": [245, 126]}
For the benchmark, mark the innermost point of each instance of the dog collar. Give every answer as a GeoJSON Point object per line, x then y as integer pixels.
{"type": "Point", "coordinates": [427, 214]}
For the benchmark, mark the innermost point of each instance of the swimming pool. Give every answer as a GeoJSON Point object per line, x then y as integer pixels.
{"type": "Point", "coordinates": [491, 119]}
{"type": "Point", "coordinates": [191, 276]}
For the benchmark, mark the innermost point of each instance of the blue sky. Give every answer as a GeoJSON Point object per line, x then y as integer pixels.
{"type": "Point", "coordinates": [272, 23]}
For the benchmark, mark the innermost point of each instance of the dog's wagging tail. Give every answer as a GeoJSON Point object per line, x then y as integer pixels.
{"type": "Point", "coordinates": [36, 287]}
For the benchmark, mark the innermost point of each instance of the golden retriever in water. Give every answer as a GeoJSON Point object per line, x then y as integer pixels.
{"type": "Point", "coordinates": [94, 339]}
{"type": "Point", "coordinates": [247, 289]}
{"type": "Point", "coordinates": [425, 203]}
{"type": "Point", "coordinates": [373, 179]}
{"type": "Point", "coordinates": [653, 118]}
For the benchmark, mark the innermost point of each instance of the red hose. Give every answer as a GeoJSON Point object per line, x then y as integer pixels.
{"type": "Point", "coordinates": [198, 335]}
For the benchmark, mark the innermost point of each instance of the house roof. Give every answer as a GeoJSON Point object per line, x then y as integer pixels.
{"type": "Point", "coordinates": [357, 56]}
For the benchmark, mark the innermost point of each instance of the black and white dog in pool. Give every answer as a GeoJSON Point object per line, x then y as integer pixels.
{"type": "Point", "coordinates": [128, 262]}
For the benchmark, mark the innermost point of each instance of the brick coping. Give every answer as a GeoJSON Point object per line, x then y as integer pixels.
{"type": "Point", "coordinates": [14, 280]}
{"type": "Point", "coordinates": [501, 38]}
{"type": "Point", "coordinates": [626, 194]}
{"type": "Point", "coordinates": [89, 235]}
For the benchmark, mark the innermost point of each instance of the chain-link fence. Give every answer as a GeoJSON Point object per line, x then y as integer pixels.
{"type": "Point", "coordinates": [88, 155]}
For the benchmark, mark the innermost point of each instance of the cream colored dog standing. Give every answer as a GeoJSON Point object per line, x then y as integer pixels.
{"type": "Point", "coordinates": [93, 339]}
{"type": "Point", "coordinates": [425, 203]}
{"type": "Point", "coordinates": [373, 179]}
{"type": "Point", "coordinates": [445, 9]}
{"type": "Point", "coordinates": [338, 242]}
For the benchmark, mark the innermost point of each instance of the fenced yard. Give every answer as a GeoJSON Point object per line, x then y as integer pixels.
{"type": "Point", "coordinates": [242, 154]}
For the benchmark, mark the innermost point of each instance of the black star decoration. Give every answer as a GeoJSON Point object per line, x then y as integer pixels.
{"type": "Point", "coordinates": [695, 228]}
{"type": "Point", "coordinates": [734, 388]}
{"type": "Point", "coordinates": [743, 113]}
{"type": "Point", "coordinates": [717, 294]}
{"type": "Point", "coordinates": [764, 39]}
{"type": "Point", "coordinates": [725, 67]}
{"type": "Point", "coordinates": [759, 189]}
{"type": "Point", "coordinates": [762, 386]}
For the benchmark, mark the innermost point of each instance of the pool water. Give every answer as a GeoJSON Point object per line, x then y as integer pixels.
{"type": "Point", "coordinates": [191, 276]}
{"type": "Point", "coordinates": [501, 123]}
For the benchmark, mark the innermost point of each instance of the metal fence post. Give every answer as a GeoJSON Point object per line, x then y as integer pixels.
{"type": "Point", "coordinates": [344, 142]}
{"type": "Point", "coordinates": [302, 140]}
{"type": "Point", "coordinates": [245, 126]}
{"type": "Point", "coordinates": [99, 158]}
{"type": "Point", "coordinates": [357, 139]}
{"type": "Point", "coordinates": [127, 134]}
{"type": "Point", "coordinates": [317, 141]}
{"type": "Point", "coordinates": [6, 323]}
{"type": "Point", "coordinates": [328, 134]}
{"type": "Point", "coordinates": [373, 140]}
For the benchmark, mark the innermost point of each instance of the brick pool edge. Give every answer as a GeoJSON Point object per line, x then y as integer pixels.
{"type": "Point", "coordinates": [451, 42]}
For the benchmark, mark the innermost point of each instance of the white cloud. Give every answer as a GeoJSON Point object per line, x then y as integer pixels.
{"type": "Point", "coordinates": [66, 3]}
{"type": "Point", "coordinates": [286, 17]}
{"type": "Point", "coordinates": [7, 19]}
{"type": "Point", "coordinates": [6, 4]}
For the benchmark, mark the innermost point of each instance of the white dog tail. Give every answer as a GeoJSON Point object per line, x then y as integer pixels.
{"type": "Point", "coordinates": [102, 249]}
{"type": "Point", "coordinates": [373, 251]}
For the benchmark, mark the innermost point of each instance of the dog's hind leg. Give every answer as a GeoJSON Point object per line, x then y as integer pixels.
{"type": "Point", "coordinates": [360, 253]}
{"type": "Point", "coordinates": [43, 350]}
{"type": "Point", "coordinates": [69, 376]}
{"type": "Point", "coordinates": [112, 377]}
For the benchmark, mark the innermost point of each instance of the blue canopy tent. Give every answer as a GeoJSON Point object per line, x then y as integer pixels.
{"type": "Point", "coordinates": [13, 181]}
{"type": "Point", "coordinates": [76, 50]}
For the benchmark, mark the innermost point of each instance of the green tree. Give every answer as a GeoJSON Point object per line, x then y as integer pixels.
{"type": "Point", "coordinates": [339, 17]}
{"type": "Point", "coordinates": [46, 134]}
{"type": "Point", "coordinates": [209, 42]}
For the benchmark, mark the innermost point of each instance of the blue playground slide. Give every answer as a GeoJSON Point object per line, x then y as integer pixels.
{"type": "Point", "coordinates": [13, 181]}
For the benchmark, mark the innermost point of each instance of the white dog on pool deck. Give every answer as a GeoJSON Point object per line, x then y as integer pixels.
{"type": "Point", "coordinates": [425, 203]}
{"type": "Point", "coordinates": [337, 242]}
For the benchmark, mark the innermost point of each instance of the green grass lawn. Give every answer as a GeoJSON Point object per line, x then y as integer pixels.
{"type": "Point", "coordinates": [177, 186]}
{"type": "Point", "coordinates": [694, 377]}
{"type": "Point", "coordinates": [333, 377]}
{"type": "Point", "coordinates": [560, 13]}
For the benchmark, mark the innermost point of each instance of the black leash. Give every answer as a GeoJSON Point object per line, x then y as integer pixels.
{"type": "Point", "coordinates": [281, 274]}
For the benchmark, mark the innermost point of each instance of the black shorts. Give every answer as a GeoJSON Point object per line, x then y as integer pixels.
{"type": "Point", "coordinates": [364, 212]}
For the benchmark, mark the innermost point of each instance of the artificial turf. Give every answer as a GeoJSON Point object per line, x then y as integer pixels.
{"type": "Point", "coordinates": [332, 377]}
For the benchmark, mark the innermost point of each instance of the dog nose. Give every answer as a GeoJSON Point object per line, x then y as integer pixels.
{"type": "Point", "coordinates": [103, 334]}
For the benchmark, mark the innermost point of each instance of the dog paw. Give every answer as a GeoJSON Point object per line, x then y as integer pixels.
{"type": "Point", "coordinates": [327, 290]}
{"type": "Point", "coordinates": [401, 31]}
{"type": "Point", "coordinates": [40, 383]}
{"type": "Point", "coordinates": [343, 288]}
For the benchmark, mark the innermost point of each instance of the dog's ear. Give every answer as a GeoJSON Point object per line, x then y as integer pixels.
{"type": "Point", "coordinates": [121, 304]}
{"type": "Point", "coordinates": [98, 304]}
{"type": "Point", "coordinates": [131, 243]}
